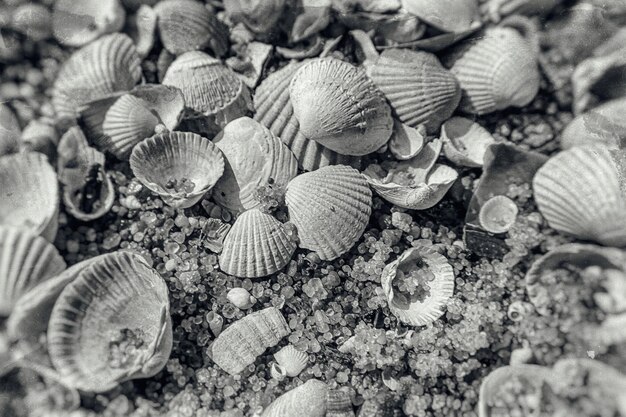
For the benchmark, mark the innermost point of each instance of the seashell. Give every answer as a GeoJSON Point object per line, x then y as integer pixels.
{"type": "Point", "coordinates": [311, 18]}
{"type": "Point", "coordinates": [406, 142]}
{"type": "Point", "coordinates": [254, 158]}
{"type": "Point", "coordinates": [146, 25]}
{"type": "Point", "coordinates": [9, 131]}
{"type": "Point", "coordinates": [582, 192]}
{"type": "Point", "coordinates": [25, 260]}
{"type": "Point", "coordinates": [29, 194]}
{"type": "Point", "coordinates": [216, 322]}
{"type": "Point", "coordinates": [251, 61]}
{"type": "Point", "coordinates": [497, 9]}
{"type": "Point", "coordinates": [88, 191]}
{"type": "Point", "coordinates": [351, 116]}
{"type": "Point", "coordinates": [260, 16]}
{"type": "Point", "coordinates": [241, 298]}
{"type": "Point", "coordinates": [277, 372]}
{"type": "Point", "coordinates": [214, 232]}
{"type": "Point", "coordinates": [257, 245]}
{"type": "Point", "coordinates": [189, 25]}
{"type": "Point", "coordinates": [338, 404]}
{"type": "Point", "coordinates": [179, 166]}
{"type": "Point", "coordinates": [308, 399]}
{"type": "Point", "coordinates": [330, 208]}
{"type": "Point", "coordinates": [111, 324]}
{"type": "Point", "coordinates": [105, 66]}
{"type": "Point", "coordinates": [602, 125]}
{"type": "Point", "coordinates": [78, 22]}
{"type": "Point", "coordinates": [416, 184]}
{"type": "Point", "coordinates": [240, 343]}
{"type": "Point", "coordinates": [612, 331]}
{"type": "Point", "coordinates": [40, 135]}
{"type": "Point", "coordinates": [292, 360]}
{"type": "Point", "coordinates": [465, 142]}
{"type": "Point", "coordinates": [498, 214]}
{"type": "Point", "coordinates": [32, 20]}
{"type": "Point", "coordinates": [445, 15]}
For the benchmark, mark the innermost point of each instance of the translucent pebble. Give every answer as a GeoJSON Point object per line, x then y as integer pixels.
{"type": "Point", "coordinates": [181, 221]}
{"type": "Point", "coordinates": [170, 265]}
{"type": "Point", "coordinates": [111, 242]}
{"type": "Point", "coordinates": [178, 237]}
{"type": "Point", "coordinates": [171, 248]}
{"type": "Point", "coordinates": [148, 217]}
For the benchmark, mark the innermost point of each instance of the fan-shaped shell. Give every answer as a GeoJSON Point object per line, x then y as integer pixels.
{"type": "Point", "coordinates": [292, 360]}
{"type": "Point", "coordinates": [29, 194]}
{"type": "Point", "coordinates": [239, 345]}
{"type": "Point", "coordinates": [78, 22]}
{"type": "Point", "coordinates": [339, 107]}
{"type": "Point", "coordinates": [111, 324]}
{"type": "Point", "coordinates": [179, 166]}
{"type": "Point", "coordinates": [25, 260]}
{"type": "Point", "coordinates": [254, 158]}
{"type": "Point", "coordinates": [445, 15]}
{"type": "Point", "coordinates": [188, 25]}
{"type": "Point", "coordinates": [100, 68]}
{"type": "Point", "coordinates": [603, 125]}
{"type": "Point", "coordinates": [330, 208]}
{"type": "Point", "coordinates": [256, 246]}
{"type": "Point", "coordinates": [308, 399]}
{"type": "Point", "coordinates": [582, 192]}
{"type": "Point", "coordinates": [498, 214]}
{"type": "Point", "coordinates": [260, 16]}
{"type": "Point", "coordinates": [465, 142]}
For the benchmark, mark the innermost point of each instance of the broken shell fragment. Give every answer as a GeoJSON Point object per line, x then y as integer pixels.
{"type": "Point", "coordinates": [308, 399]}
{"type": "Point", "coordinates": [338, 404]}
{"type": "Point", "coordinates": [78, 22]}
{"type": "Point", "coordinates": [498, 214]}
{"type": "Point", "coordinates": [241, 298]}
{"type": "Point", "coordinates": [465, 142]}
{"type": "Point", "coordinates": [292, 360]}
{"type": "Point", "coordinates": [603, 125]}
{"type": "Point", "coordinates": [260, 16]}
{"type": "Point", "coordinates": [213, 233]}
{"type": "Point", "coordinates": [445, 15]}
{"type": "Point", "coordinates": [406, 142]}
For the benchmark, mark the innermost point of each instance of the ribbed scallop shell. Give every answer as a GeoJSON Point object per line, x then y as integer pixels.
{"type": "Point", "coordinates": [100, 68]}
{"type": "Point", "coordinates": [446, 15]}
{"type": "Point", "coordinates": [240, 343]}
{"type": "Point", "coordinates": [120, 293]}
{"type": "Point", "coordinates": [188, 25]}
{"type": "Point", "coordinates": [330, 208]}
{"type": "Point", "coordinates": [254, 157]}
{"type": "Point", "coordinates": [292, 360]}
{"type": "Point", "coordinates": [308, 399]}
{"type": "Point", "coordinates": [498, 214]}
{"type": "Point", "coordinates": [29, 194]}
{"type": "Point", "coordinates": [582, 192]}
{"type": "Point", "coordinates": [78, 22]}
{"type": "Point", "coordinates": [25, 260]}
{"type": "Point", "coordinates": [338, 404]}
{"type": "Point", "coordinates": [465, 142]}
{"type": "Point", "coordinates": [419, 89]}
{"type": "Point", "coordinates": [275, 111]}
{"type": "Point", "coordinates": [603, 125]}
{"type": "Point", "coordinates": [177, 156]}
{"type": "Point", "coordinates": [337, 105]}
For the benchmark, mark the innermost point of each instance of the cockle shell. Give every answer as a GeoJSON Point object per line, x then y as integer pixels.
{"type": "Point", "coordinates": [111, 324]}
{"type": "Point", "coordinates": [465, 141]}
{"type": "Point", "coordinates": [78, 22]}
{"type": "Point", "coordinates": [33, 20]}
{"type": "Point", "coordinates": [603, 125]}
{"type": "Point", "coordinates": [498, 214]}
{"type": "Point", "coordinates": [188, 25]}
{"type": "Point", "coordinates": [308, 399]}
{"type": "Point", "coordinates": [254, 158]}
{"type": "Point", "coordinates": [406, 142]}
{"type": "Point", "coordinates": [330, 208]}
{"type": "Point", "coordinates": [105, 66]}
{"type": "Point", "coordinates": [260, 16]}
{"type": "Point", "coordinates": [338, 404]}
{"type": "Point", "coordinates": [339, 107]}
{"type": "Point", "coordinates": [240, 298]}
{"type": "Point", "coordinates": [256, 246]}
{"type": "Point", "coordinates": [240, 343]}
{"type": "Point", "coordinates": [192, 162]}
{"type": "Point", "coordinates": [292, 360]}
{"type": "Point", "coordinates": [25, 260]}
{"type": "Point", "coordinates": [29, 194]}
{"type": "Point", "coordinates": [582, 192]}
{"type": "Point", "coordinates": [445, 15]}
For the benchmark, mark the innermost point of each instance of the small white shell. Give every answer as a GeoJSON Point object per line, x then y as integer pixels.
{"type": "Point", "coordinates": [277, 372]}
{"type": "Point", "coordinates": [216, 322]}
{"type": "Point", "coordinates": [465, 141]}
{"type": "Point", "coordinates": [308, 399]}
{"type": "Point", "coordinates": [406, 142]}
{"type": "Point", "coordinates": [292, 360]}
{"type": "Point", "coordinates": [498, 214]}
{"type": "Point", "coordinates": [78, 22]}
{"type": "Point", "coordinates": [241, 298]}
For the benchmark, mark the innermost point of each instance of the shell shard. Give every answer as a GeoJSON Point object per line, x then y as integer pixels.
{"type": "Point", "coordinates": [239, 344]}
{"type": "Point", "coordinates": [498, 214]}
{"type": "Point", "coordinates": [406, 142]}
{"type": "Point", "coordinates": [602, 125]}
{"type": "Point", "coordinates": [465, 142]}
{"type": "Point", "coordinates": [292, 360]}
{"type": "Point", "coordinates": [330, 208]}
{"type": "Point", "coordinates": [308, 399]}
{"type": "Point", "coordinates": [445, 15]}
{"type": "Point", "coordinates": [260, 16]}
{"type": "Point", "coordinates": [78, 22]}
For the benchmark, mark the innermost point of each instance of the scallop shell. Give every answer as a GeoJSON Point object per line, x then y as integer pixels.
{"type": "Point", "coordinates": [465, 142]}
{"type": "Point", "coordinates": [25, 260]}
{"type": "Point", "coordinates": [582, 192]}
{"type": "Point", "coordinates": [100, 68]}
{"type": "Point", "coordinates": [498, 214]}
{"type": "Point", "coordinates": [292, 360]}
{"type": "Point", "coordinates": [178, 157]}
{"type": "Point", "coordinates": [603, 125]}
{"type": "Point", "coordinates": [257, 245]}
{"type": "Point", "coordinates": [78, 22]}
{"type": "Point", "coordinates": [445, 15]}
{"type": "Point", "coordinates": [308, 399]}
{"type": "Point", "coordinates": [260, 16]}
{"type": "Point", "coordinates": [32, 20]}
{"type": "Point", "coordinates": [240, 298]}
{"type": "Point", "coordinates": [254, 158]}
{"type": "Point", "coordinates": [188, 25]}
{"type": "Point", "coordinates": [239, 344]}
{"type": "Point", "coordinates": [111, 324]}
{"type": "Point", "coordinates": [330, 208]}
{"type": "Point", "coordinates": [338, 404]}
{"type": "Point", "coordinates": [29, 194]}
{"type": "Point", "coordinates": [339, 107]}
{"type": "Point", "coordinates": [275, 111]}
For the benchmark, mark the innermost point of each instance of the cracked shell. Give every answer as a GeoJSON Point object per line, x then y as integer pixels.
{"type": "Point", "coordinates": [78, 22]}
{"type": "Point", "coordinates": [308, 399]}
{"type": "Point", "coordinates": [465, 142]}
{"type": "Point", "coordinates": [445, 15]}
{"type": "Point", "coordinates": [292, 360]}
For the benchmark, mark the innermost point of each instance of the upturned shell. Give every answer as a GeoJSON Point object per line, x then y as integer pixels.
{"type": "Point", "coordinates": [240, 298]}
{"type": "Point", "coordinates": [105, 66]}
{"type": "Point", "coordinates": [239, 344]}
{"type": "Point", "coordinates": [603, 125]}
{"type": "Point", "coordinates": [339, 107]}
{"type": "Point", "coordinates": [25, 260]}
{"type": "Point", "coordinates": [308, 399]}
{"type": "Point", "coordinates": [406, 142]}
{"type": "Point", "coordinates": [257, 245]}
{"type": "Point", "coordinates": [29, 194]}
{"type": "Point", "coordinates": [179, 166]}
{"type": "Point", "coordinates": [582, 192]}
{"type": "Point", "coordinates": [330, 208]}
{"type": "Point", "coordinates": [292, 360]}
{"type": "Point", "coordinates": [111, 324]}
{"type": "Point", "coordinates": [498, 214]}
{"type": "Point", "coordinates": [465, 141]}
{"type": "Point", "coordinates": [188, 25]}
{"type": "Point", "coordinates": [254, 158]}
{"type": "Point", "coordinates": [445, 15]}
{"type": "Point", "coordinates": [78, 22]}
{"type": "Point", "coordinates": [260, 16]}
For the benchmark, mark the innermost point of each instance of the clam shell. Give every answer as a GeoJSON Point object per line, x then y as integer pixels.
{"type": "Point", "coordinates": [29, 194]}
{"type": "Point", "coordinates": [239, 344]}
{"type": "Point", "coordinates": [308, 399]}
{"type": "Point", "coordinates": [78, 22]}
{"type": "Point", "coordinates": [582, 192]}
{"type": "Point", "coordinates": [119, 296]}
{"type": "Point", "coordinates": [260, 16]}
{"type": "Point", "coordinates": [188, 25]}
{"type": "Point", "coordinates": [254, 158]}
{"type": "Point", "coordinates": [330, 208]}
{"type": "Point", "coordinates": [292, 360]}
{"type": "Point", "coordinates": [465, 142]}
{"type": "Point", "coordinates": [339, 107]}
{"type": "Point", "coordinates": [100, 68]}
{"type": "Point", "coordinates": [445, 15]}
{"type": "Point", "coordinates": [25, 260]}
{"type": "Point", "coordinates": [406, 142]}
{"type": "Point", "coordinates": [498, 214]}
{"type": "Point", "coordinates": [603, 125]}
{"type": "Point", "coordinates": [257, 245]}
{"type": "Point", "coordinates": [338, 404]}
{"type": "Point", "coordinates": [177, 156]}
